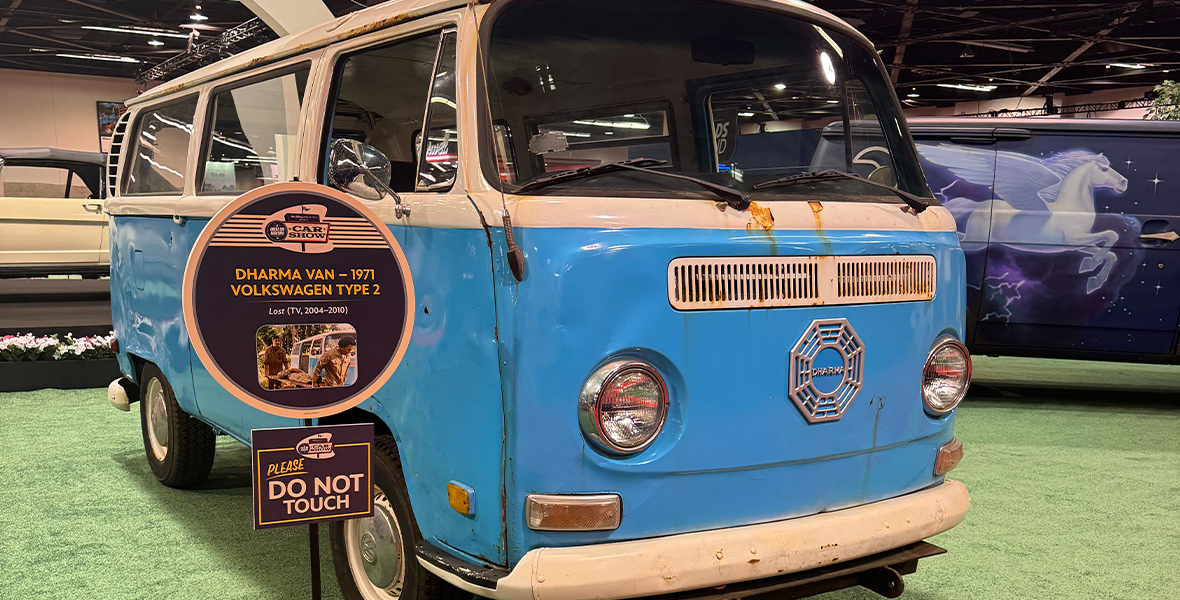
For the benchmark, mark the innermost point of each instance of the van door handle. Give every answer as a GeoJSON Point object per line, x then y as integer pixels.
{"type": "Point", "coordinates": [94, 207]}
{"type": "Point", "coordinates": [1167, 236]}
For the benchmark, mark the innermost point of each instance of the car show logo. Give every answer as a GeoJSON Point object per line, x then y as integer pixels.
{"type": "Point", "coordinates": [296, 227]}
{"type": "Point", "coordinates": [826, 370]}
{"type": "Point", "coordinates": [318, 446]}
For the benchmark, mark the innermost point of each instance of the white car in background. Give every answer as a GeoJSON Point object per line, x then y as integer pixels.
{"type": "Point", "coordinates": [51, 213]}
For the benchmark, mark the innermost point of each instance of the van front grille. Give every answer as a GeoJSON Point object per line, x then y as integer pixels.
{"type": "Point", "coordinates": [769, 282]}
{"type": "Point", "coordinates": [898, 278]}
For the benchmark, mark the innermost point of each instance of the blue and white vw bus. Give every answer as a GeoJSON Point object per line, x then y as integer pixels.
{"type": "Point", "coordinates": [661, 346]}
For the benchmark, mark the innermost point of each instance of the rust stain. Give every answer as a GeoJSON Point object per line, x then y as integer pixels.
{"type": "Point", "coordinates": [816, 208]}
{"type": "Point", "coordinates": [761, 216]}
{"type": "Point", "coordinates": [755, 561]}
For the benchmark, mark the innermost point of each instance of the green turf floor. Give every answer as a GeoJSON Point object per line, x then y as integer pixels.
{"type": "Point", "coordinates": [1075, 494]}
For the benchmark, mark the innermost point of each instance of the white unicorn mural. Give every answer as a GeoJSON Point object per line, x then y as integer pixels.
{"type": "Point", "coordinates": [1039, 205]}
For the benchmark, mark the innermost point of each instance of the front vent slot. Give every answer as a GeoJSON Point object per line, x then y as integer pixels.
{"type": "Point", "coordinates": [113, 155]}
{"type": "Point", "coordinates": [762, 282]}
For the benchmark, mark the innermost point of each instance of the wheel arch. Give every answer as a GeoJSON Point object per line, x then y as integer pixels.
{"type": "Point", "coordinates": [357, 415]}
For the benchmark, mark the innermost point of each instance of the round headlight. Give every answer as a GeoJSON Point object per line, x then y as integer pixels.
{"type": "Point", "coordinates": [946, 376]}
{"type": "Point", "coordinates": [623, 406]}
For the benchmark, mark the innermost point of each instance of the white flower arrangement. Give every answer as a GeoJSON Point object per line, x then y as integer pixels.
{"type": "Point", "coordinates": [29, 347]}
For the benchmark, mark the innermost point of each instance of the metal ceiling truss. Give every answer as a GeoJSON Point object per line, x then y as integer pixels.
{"type": "Point", "coordinates": [1093, 107]}
{"type": "Point", "coordinates": [1040, 47]}
{"type": "Point", "coordinates": [201, 53]}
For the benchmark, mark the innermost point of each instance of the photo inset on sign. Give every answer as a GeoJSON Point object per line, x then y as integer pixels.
{"type": "Point", "coordinates": [303, 356]}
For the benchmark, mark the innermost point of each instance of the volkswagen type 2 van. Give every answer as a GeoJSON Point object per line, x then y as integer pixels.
{"type": "Point", "coordinates": [658, 348]}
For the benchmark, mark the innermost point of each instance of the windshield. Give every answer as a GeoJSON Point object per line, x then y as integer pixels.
{"type": "Point", "coordinates": [733, 95]}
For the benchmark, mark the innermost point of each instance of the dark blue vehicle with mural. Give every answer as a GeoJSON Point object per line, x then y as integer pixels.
{"type": "Point", "coordinates": [666, 340]}
{"type": "Point", "coordinates": [1069, 227]}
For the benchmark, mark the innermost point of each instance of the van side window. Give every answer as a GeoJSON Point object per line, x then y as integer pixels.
{"type": "Point", "coordinates": [437, 166]}
{"type": "Point", "coordinates": [317, 347]}
{"type": "Point", "coordinates": [381, 96]}
{"type": "Point", "coordinates": [160, 155]}
{"type": "Point", "coordinates": [252, 141]}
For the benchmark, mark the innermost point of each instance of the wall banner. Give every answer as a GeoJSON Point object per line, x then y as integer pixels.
{"type": "Point", "coordinates": [298, 300]}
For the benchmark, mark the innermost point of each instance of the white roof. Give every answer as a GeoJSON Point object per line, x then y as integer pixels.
{"type": "Point", "coordinates": [371, 19]}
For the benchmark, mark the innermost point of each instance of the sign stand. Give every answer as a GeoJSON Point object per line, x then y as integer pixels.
{"type": "Point", "coordinates": [313, 530]}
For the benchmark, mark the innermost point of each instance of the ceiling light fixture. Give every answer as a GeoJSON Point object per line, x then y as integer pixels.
{"type": "Point", "coordinates": [780, 86]}
{"type": "Point", "coordinates": [968, 87]}
{"type": "Point", "coordinates": [1126, 65]}
{"type": "Point", "coordinates": [745, 114]}
{"type": "Point", "coordinates": [197, 16]}
{"type": "Point", "coordinates": [155, 43]}
{"type": "Point", "coordinates": [138, 31]}
{"type": "Point", "coordinates": [913, 95]}
{"type": "Point", "coordinates": [106, 57]}
{"type": "Point", "coordinates": [967, 52]}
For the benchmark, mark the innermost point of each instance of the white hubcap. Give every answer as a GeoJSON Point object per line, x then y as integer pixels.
{"type": "Point", "coordinates": [157, 419]}
{"type": "Point", "coordinates": [375, 556]}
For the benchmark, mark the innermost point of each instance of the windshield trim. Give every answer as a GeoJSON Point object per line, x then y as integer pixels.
{"type": "Point", "coordinates": [806, 14]}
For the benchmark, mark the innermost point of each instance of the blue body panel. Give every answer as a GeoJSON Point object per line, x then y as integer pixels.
{"type": "Point", "coordinates": [147, 266]}
{"type": "Point", "coordinates": [735, 450]}
{"type": "Point", "coordinates": [486, 394]}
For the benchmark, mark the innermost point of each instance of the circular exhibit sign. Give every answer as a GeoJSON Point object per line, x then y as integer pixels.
{"type": "Point", "coordinates": [298, 300]}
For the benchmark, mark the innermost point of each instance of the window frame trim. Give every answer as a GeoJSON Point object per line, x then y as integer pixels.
{"type": "Point", "coordinates": [428, 111]}
{"type": "Point", "coordinates": [333, 59]}
{"type": "Point", "coordinates": [125, 176]}
{"type": "Point", "coordinates": [211, 110]}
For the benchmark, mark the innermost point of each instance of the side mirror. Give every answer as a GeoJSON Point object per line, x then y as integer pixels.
{"type": "Point", "coordinates": [363, 171]}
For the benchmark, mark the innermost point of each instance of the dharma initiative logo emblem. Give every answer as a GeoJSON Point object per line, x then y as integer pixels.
{"type": "Point", "coordinates": [827, 370]}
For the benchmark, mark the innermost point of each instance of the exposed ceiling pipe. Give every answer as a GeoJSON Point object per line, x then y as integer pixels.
{"type": "Point", "coordinates": [903, 38]}
{"type": "Point", "coordinates": [1130, 9]}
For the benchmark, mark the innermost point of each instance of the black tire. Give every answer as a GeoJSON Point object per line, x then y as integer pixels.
{"type": "Point", "coordinates": [188, 443]}
{"type": "Point", "coordinates": [415, 582]}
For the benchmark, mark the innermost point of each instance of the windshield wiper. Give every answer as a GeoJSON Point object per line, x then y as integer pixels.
{"type": "Point", "coordinates": [917, 203]}
{"type": "Point", "coordinates": [731, 196]}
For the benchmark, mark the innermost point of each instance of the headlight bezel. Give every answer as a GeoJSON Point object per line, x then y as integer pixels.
{"type": "Point", "coordinates": [941, 343]}
{"type": "Point", "coordinates": [589, 405]}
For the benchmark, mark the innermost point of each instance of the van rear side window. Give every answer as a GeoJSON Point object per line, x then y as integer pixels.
{"type": "Point", "coordinates": [160, 156]}
{"type": "Point", "coordinates": [252, 141]}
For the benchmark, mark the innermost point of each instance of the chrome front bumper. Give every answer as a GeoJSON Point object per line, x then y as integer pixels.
{"type": "Point", "coordinates": [707, 559]}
